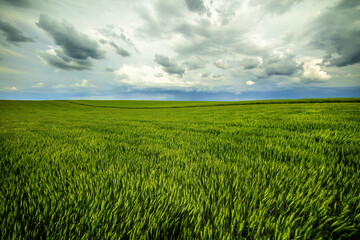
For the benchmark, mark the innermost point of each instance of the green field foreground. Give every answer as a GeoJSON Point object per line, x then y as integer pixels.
{"type": "Point", "coordinates": [180, 170]}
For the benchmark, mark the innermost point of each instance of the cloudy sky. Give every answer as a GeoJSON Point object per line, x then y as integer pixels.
{"type": "Point", "coordinates": [179, 49]}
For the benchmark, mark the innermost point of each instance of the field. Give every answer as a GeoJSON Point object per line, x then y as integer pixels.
{"type": "Point", "coordinates": [180, 170]}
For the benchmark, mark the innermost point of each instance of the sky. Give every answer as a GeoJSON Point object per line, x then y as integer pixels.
{"type": "Point", "coordinates": [218, 50]}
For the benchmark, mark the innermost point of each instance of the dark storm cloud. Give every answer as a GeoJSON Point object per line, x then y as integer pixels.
{"type": "Point", "coordinates": [249, 63]}
{"type": "Point", "coordinates": [59, 59]}
{"type": "Point", "coordinates": [280, 65]}
{"type": "Point", "coordinates": [196, 6]}
{"type": "Point", "coordinates": [275, 6]}
{"type": "Point", "coordinates": [337, 31]}
{"type": "Point", "coordinates": [20, 3]}
{"type": "Point", "coordinates": [34, 4]}
{"type": "Point", "coordinates": [119, 50]}
{"type": "Point", "coordinates": [12, 34]}
{"type": "Point", "coordinates": [74, 44]}
{"type": "Point", "coordinates": [169, 66]}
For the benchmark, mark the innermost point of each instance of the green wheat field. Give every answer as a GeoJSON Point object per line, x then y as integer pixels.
{"type": "Point", "coordinates": [279, 169]}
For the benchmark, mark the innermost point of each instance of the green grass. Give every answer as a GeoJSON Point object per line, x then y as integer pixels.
{"type": "Point", "coordinates": [278, 170]}
{"type": "Point", "coordinates": [128, 104]}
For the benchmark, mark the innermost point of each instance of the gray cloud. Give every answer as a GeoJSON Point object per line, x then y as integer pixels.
{"type": "Point", "coordinates": [126, 39]}
{"type": "Point", "coordinates": [205, 75]}
{"type": "Point", "coordinates": [20, 3]}
{"type": "Point", "coordinates": [74, 44]}
{"type": "Point", "coordinates": [249, 63]}
{"type": "Point", "coordinates": [109, 69]}
{"type": "Point", "coordinates": [119, 50]}
{"type": "Point", "coordinates": [156, 26]}
{"type": "Point", "coordinates": [57, 58]}
{"type": "Point", "coordinates": [196, 6]}
{"type": "Point", "coordinates": [169, 66]}
{"type": "Point", "coordinates": [160, 21]}
{"type": "Point", "coordinates": [195, 62]}
{"type": "Point", "coordinates": [103, 41]}
{"type": "Point", "coordinates": [276, 6]}
{"type": "Point", "coordinates": [151, 28]}
{"type": "Point", "coordinates": [110, 33]}
{"type": "Point", "coordinates": [201, 37]}
{"type": "Point", "coordinates": [207, 39]}
{"type": "Point", "coordinates": [169, 8]}
{"type": "Point", "coordinates": [12, 34]}
{"type": "Point", "coordinates": [226, 13]}
{"type": "Point", "coordinates": [221, 64]}
{"type": "Point", "coordinates": [337, 31]}
{"type": "Point", "coordinates": [217, 75]}
{"type": "Point", "coordinates": [280, 65]}
{"type": "Point", "coordinates": [204, 37]}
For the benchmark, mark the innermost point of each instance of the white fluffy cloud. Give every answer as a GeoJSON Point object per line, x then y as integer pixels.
{"type": "Point", "coordinates": [312, 69]}
{"type": "Point", "coordinates": [221, 64]}
{"type": "Point", "coordinates": [249, 83]}
{"type": "Point", "coordinates": [149, 77]}
{"type": "Point", "coordinates": [83, 84]}
{"type": "Point", "coordinates": [38, 85]}
{"type": "Point", "coordinates": [9, 89]}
